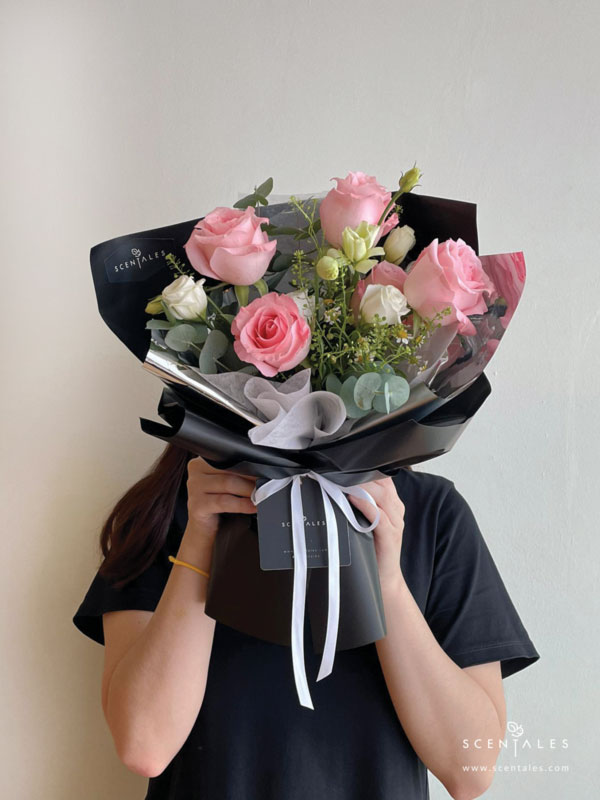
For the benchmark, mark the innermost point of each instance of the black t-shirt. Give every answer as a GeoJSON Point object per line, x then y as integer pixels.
{"type": "Point", "coordinates": [252, 740]}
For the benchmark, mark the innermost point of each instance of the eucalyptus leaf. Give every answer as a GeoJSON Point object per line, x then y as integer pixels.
{"type": "Point", "coordinates": [382, 401]}
{"type": "Point", "coordinates": [158, 325]}
{"type": "Point", "coordinates": [333, 384]}
{"type": "Point", "coordinates": [365, 388]}
{"type": "Point", "coordinates": [399, 390]}
{"type": "Point", "coordinates": [249, 200]}
{"type": "Point", "coordinates": [181, 337]}
{"type": "Point", "coordinates": [231, 360]}
{"type": "Point", "coordinates": [201, 331]}
{"type": "Point", "coordinates": [265, 188]}
{"type": "Point", "coordinates": [347, 395]}
{"type": "Point", "coordinates": [215, 346]}
{"type": "Point", "coordinates": [384, 369]}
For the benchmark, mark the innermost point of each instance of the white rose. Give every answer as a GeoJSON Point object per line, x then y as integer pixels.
{"type": "Point", "coordinates": [185, 298]}
{"type": "Point", "coordinates": [398, 243]}
{"type": "Point", "coordinates": [305, 303]}
{"type": "Point", "coordinates": [386, 301]}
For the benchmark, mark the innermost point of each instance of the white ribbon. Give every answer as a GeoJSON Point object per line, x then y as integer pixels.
{"type": "Point", "coordinates": [329, 491]}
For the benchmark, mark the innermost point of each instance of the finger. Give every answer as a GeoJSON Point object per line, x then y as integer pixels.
{"type": "Point", "coordinates": [369, 510]}
{"type": "Point", "coordinates": [228, 483]}
{"type": "Point", "coordinates": [225, 504]}
{"type": "Point", "coordinates": [384, 492]}
{"type": "Point", "coordinates": [198, 465]}
{"type": "Point", "coordinates": [384, 498]}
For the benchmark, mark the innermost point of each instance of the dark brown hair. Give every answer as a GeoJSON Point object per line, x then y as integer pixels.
{"type": "Point", "coordinates": [136, 529]}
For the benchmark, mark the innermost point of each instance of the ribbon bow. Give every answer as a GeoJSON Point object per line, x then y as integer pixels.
{"type": "Point", "coordinates": [329, 491]}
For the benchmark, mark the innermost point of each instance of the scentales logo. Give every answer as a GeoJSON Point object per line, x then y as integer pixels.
{"type": "Point", "coordinates": [308, 523]}
{"type": "Point", "coordinates": [515, 741]}
{"type": "Point", "coordinates": [517, 744]}
{"type": "Point", "coordinates": [137, 259]}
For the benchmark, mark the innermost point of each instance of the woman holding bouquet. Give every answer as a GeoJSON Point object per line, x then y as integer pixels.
{"type": "Point", "coordinates": [205, 711]}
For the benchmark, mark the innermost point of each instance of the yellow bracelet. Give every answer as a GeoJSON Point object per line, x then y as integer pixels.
{"type": "Point", "coordinates": [191, 566]}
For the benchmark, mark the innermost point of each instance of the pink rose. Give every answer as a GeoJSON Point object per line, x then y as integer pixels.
{"type": "Point", "coordinates": [357, 197]}
{"type": "Point", "coordinates": [448, 274]}
{"type": "Point", "coordinates": [271, 333]}
{"type": "Point", "coordinates": [229, 245]}
{"type": "Point", "coordinates": [383, 274]}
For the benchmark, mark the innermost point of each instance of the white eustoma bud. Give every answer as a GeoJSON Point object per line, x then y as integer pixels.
{"type": "Point", "coordinates": [399, 241]}
{"type": "Point", "coordinates": [387, 302]}
{"type": "Point", "coordinates": [185, 298]}
{"type": "Point", "coordinates": [327, 268]}
{"type": "Point", "coordinates": [358, 243]}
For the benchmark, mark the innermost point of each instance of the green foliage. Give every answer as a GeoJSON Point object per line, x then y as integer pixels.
{"type": "Point", "coordinates": [261, 287]}
{"type": "Point", "coordinates": [370, 391]}
{"type": "Point", "coordinates": [215, 346]}
{"type": "Point", "coordinates": [365, 388]}
{"type": "Point", "coordinates": [177, 266]}
{"type": "Point", "coordinates": [242, 292]}
{"type": "Point", "coordinates": [158, 325]}
{"type": "Point", "coordinates": [364, 363]}
{"type": "Point", "coordinates": [168, 314]}
{"type": "Point", "coordinates": [353, 410]}
{"type": "Point", "coordinates": [182, 337]}
{"type": "Point", "coordinates": [396, 392]}
{"type": "Point", "coordinates": [281, 262]}
{"type": "Point", "coordinates": [258, 196]}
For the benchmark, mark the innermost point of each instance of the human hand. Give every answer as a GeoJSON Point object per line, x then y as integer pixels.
{"type": "Point", "coordinates": [388, 533]}
{"type": "Point", "coordinates": [214, 491]}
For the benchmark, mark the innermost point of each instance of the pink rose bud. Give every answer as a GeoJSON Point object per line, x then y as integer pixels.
{"type": "Point", "coordinates": [229, 245]}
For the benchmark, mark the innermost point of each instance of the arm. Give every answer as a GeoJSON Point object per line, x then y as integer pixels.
{"type": "Point", "coordinates": [156, 663]}
{"type": "Point", "coordinates": [438, 703]}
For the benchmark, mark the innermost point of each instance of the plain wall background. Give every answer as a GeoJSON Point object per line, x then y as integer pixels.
{"type": "Point", "coordinates": [119, 117]}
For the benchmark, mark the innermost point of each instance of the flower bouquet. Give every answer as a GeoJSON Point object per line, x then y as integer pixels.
{"type": "Point", "coordinates": [316, 343]}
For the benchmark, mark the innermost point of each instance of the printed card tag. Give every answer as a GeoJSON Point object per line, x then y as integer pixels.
{"type": "Point", "coordinates": [275, 541]}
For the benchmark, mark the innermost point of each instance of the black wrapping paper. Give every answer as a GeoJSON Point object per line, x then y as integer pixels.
{"type": "Point", "coordinates": [127, 272]}
{"type": "Point", "coordinates": [258, 602]}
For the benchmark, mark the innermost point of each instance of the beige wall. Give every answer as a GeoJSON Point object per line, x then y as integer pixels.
{"type": "Point", "coordinates": [123, 116]}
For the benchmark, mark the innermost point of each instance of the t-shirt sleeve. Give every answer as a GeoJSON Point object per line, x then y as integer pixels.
{"type": "Point", "coordinates": [468, 606]}
{"type": "Point", "coordinates": [142, 593]}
